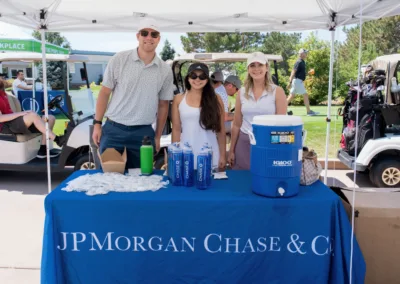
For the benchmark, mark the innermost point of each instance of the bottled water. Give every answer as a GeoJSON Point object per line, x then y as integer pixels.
{"type": "Point", "coordinates": [188, 165]}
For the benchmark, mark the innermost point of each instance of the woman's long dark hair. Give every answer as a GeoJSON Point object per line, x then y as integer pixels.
{"type": "Point", "coordinates": [210, 113]}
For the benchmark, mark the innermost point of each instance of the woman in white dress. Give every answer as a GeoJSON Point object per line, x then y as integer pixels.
{"type": "Point", "coordinates": [198, 116]}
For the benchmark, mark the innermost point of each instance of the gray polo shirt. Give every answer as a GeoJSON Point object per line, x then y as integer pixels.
{"type": "Point", "coordinates": [136, 88]}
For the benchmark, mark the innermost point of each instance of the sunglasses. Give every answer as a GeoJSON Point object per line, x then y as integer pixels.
{"type": "Point", "coordinates": [194, 76]}
{"type": "Point", "coordinates": [152, 34]}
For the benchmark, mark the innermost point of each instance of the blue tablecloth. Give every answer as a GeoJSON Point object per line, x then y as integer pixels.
{"type": "Point", "coordinates": [225, 234]}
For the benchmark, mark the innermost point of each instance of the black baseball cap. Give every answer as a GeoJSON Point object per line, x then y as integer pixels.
{"type": "Point", "coordinates": [199, 66]}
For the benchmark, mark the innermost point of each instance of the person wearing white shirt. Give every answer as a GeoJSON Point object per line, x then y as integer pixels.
{"type": "Point", "coordinates": [258, 97]}
{"type": "Point", "coordinates": [19, 83]}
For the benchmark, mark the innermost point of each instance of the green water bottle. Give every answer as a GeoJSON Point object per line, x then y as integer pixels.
{"type": "Point", "coordinates": [146, 156]}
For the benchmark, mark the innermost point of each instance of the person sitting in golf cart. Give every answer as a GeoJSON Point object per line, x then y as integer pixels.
{"type": "Point", "coordinates": [19, 84]}
{"type": "Point", "coordinates": [26, 122]}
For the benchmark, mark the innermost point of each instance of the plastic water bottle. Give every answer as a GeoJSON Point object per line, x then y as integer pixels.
{"type": "Point", "coordinates": [146, 156]}
{"type": "Point", "coordinates": [169, 166]}
{"type": "Point", "coordinates": [177, 166]}
{"type": "Point", "coordinates": [188, 165]}
{"type": "Point", "coordinates": [202, 165]}
{"type": "Point", "coordinates": [210, 163]}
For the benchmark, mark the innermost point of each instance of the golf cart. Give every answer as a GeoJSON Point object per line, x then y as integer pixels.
{"type": "Point", "coordinates": [19, 151]}
{"type": "Point", "coordinates": [380, 156]}
{"type": "Point", "coordinates": [180, 65]}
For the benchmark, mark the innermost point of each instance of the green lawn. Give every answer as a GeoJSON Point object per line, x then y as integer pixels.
{"type": "Point", "coordinates": [316, 129]}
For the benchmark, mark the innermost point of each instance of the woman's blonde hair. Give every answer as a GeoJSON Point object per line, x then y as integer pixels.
{"type": "Point", "coordinates": [248, 83]}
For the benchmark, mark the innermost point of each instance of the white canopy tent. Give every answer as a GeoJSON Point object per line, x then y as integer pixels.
{"type": "Point", "coordinates": [180, 16]}
{"type": "Point", "coordinates": [183, 16]}
{"type": "Point", "coordinates": [206, 16]}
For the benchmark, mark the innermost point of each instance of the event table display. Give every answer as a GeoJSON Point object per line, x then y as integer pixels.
{"type": "Point", "coordinates": [225, 234]}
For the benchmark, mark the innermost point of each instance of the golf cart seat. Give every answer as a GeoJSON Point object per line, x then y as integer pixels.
{"type": "Point", "coordinates": [16, 107]}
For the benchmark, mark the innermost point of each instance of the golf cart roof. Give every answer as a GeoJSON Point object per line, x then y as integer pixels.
{"type": "Point", "coordinates": [382, 62]}
{"type": "Point", "coordinates": [32, 56]}
{"type": "Point", "coordinates": [221, 57]}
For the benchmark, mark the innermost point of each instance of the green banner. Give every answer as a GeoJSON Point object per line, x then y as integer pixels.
{"type": "Point", "coordinates": [30, 46]}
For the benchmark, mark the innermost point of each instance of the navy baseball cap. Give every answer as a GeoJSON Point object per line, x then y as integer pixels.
{"type": "Point", "coordinates": [200, 67]}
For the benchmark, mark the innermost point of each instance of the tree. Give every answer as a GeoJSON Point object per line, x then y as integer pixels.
{"type": "Point", "coordinates": [379, 37]}
{"type": "Point", "coordinates": [220, 42]}
{"type": "Point", "coordinates": [54, 69]}
{"type": "Point", "coordinates": [168, 52]}
{"type": "Point", "coordinates": [282, 44]}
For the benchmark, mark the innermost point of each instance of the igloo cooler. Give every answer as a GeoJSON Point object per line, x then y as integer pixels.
{"type": "Point", "coordinates": [276, 155]}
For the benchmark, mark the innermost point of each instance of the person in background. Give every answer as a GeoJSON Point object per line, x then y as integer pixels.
{"type": "Point", "coordinates": [232, 85]}
{"type": "Point", "coordinates": [258, 97]}
{"type": "Point", "coordinates": [19, 83]}
{"type": "Point", "coordinates": [142, 86]}
{"type": "Point", "coordinates": [198, 115]}
{"type": "Point", "coordinates": [296, 81]}
{"type": "Point", "coordinates": [217, 79]}
{"type": "Point", "coordinates": [27, 122]}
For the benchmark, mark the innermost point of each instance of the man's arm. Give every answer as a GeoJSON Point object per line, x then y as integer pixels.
{"type": "Point", "coordinates": [22, 87]}
{"type": "Point", "coordinates": [162, 115]}
{"type": "Point", "coordinates": [292, 75]}
{"type": "Point", "coordinates": [102, 102]}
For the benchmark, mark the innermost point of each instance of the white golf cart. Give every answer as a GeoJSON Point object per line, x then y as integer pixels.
{"type": "Point", "coordinates": [181, 63]}
{"type": "Point", "coordinates": [381, 157]}
{"type": "Point", "coordinates": [19, 151]}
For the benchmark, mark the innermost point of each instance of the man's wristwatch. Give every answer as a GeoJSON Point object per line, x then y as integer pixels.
{"type": "Point", "coordinates": [97, 122]}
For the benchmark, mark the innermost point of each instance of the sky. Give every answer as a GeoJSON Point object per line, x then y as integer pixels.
{"type": "Point", "coordinates": [115, 42]}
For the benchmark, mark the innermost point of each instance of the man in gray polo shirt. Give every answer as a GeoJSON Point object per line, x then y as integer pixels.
{"type": "Point", "coordinates": [142, 86]}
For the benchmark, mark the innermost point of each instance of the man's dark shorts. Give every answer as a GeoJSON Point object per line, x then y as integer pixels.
{"type": "Point", "coordinates": [17, 126]}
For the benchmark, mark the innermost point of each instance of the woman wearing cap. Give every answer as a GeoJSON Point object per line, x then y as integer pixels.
{"type": "Point", "coordinates": [258, 97]}
{"type": "Point", "coordinates": [198, 115]}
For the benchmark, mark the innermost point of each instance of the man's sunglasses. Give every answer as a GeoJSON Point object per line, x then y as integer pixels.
{"type": "Point", "coordinates": [146, 33]}
{"type": "Point", "coordinates": [194, 76]}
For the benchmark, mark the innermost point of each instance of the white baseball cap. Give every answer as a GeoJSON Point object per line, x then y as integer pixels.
{"type": "Point", "coordinates": [302, 50]}
{"type": "Point", "coordinates": [257, 57]}
{"type": "Point", "coordinates": [148, 23]}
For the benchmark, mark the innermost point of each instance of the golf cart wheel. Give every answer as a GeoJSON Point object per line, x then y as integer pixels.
{"type": "Point", "coordinates": [83, 163]}
{"type": "Point", "coordinates": [386, 173]}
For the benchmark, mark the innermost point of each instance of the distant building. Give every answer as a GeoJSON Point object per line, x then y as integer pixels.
{"type": "Point", "coordinates": [95, 67]}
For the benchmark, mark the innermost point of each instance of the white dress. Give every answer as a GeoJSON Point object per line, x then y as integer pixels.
{"type": "Point", "coordinates": [194, 134]}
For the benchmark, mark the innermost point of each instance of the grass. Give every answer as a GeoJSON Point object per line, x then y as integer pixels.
{"type": "Point", "coordinates": [315, 126]}
{"type": "Point", "coordinates": [316, 129]}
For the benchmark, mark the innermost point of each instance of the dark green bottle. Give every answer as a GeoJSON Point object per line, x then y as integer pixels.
{"type": "Point", "coordinates": [146, 156]}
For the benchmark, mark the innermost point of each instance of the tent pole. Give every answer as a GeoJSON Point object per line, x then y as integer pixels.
{"type": "Point", "coordinates": [33, 105]}
{"type": "Point", "coordinates": [328, 117]}
{"type": "Point", "coordinates": [46, 109]}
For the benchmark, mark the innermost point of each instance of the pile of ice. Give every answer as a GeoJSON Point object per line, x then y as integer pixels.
{"type": "Point", "coordinates": [103, 183]}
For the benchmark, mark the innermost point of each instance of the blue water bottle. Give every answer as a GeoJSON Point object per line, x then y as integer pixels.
{"type": "Point", "coordinates": [177, 166]}
{"type": "Point", "coordinates": [202, 165]}
{"type": "Point", "coordinates": [169, 167]}
{"type": "Point", "coordinates": [210, 163]}
{"type": "Point", "coordinates": [188, 165]}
